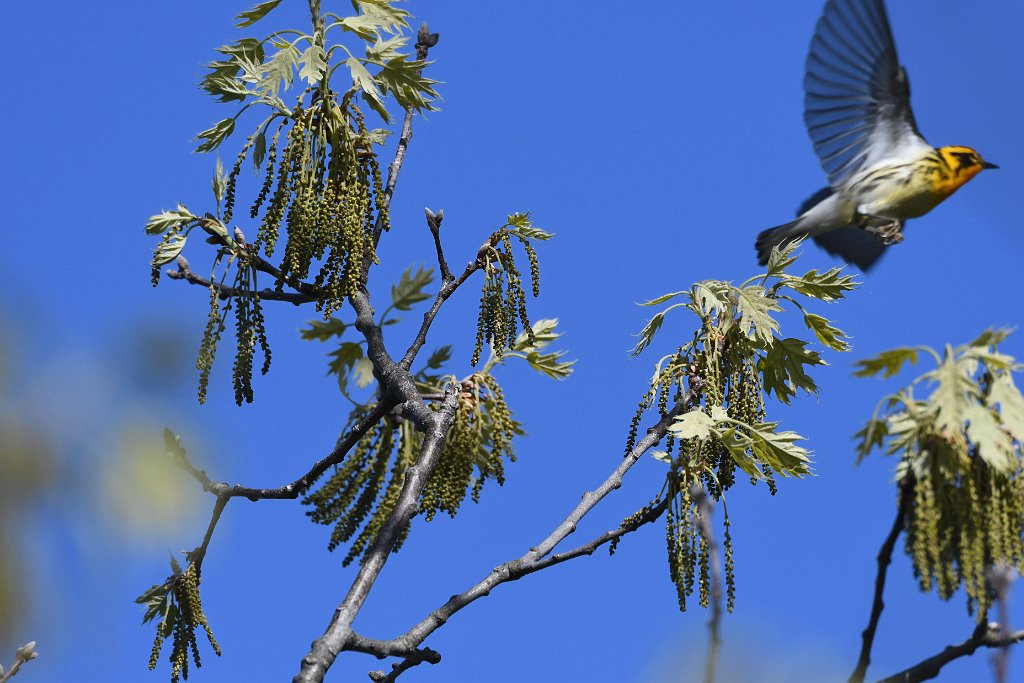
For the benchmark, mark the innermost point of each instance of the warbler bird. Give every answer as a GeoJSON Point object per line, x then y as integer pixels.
{"type": "Point", "coordinates": [880, 169]}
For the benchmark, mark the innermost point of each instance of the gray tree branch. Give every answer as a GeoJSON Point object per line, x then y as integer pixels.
{"type": "Point", "coordinates": [877, 604]}
{"type": "Point", "coordinates": [424, 41]}
{"type": "Point", "coordinates": [449, 284]}
{"type": "Point", "coordinates": [985, 635]}
{"type": "Point", "coordinates": [185, 273]}
{"type": "Point", "coordinates": [288, 491]}
{"type": "Point", "coordinates": [338, 634]}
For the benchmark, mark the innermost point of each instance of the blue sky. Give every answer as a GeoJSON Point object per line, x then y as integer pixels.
{"type": "Point", "coordinates": [655, 141]}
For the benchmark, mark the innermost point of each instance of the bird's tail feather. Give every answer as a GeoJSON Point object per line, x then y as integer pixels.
{"type": "Point", "coordinates": [777, 236]}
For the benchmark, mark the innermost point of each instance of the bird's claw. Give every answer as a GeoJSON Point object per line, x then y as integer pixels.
{"type": "Point", "coordinates": [888, 230]}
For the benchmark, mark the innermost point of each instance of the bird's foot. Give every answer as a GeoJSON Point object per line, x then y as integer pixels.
{"type": "Point", "coordinates": [889, 230]}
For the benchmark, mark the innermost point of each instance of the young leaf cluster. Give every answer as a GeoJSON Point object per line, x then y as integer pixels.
{"type": "Point", "coordinates": [503, 300]}
{"type": "Point", "coordinates": [531, 345]}
{"type": "Point", "coordinates": [722, 377]}
{"type": "Point", "coordinates": [261, 71]}
{"type": "Point", "coordinates": [177, 610]}
{"type": "Point", "coordinates": [960, 462]}
{"type": "Point", "coordinates": [321, 191]}
{"type": "Point", "coordinates": [357, 497]}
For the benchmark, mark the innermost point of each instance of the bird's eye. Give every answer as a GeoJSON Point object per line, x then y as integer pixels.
{"type": "Point", "coordinates": [967, 158]}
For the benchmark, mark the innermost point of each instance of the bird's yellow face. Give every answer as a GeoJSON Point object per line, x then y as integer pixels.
{"type": "Point", "coordinates": [964, 163]}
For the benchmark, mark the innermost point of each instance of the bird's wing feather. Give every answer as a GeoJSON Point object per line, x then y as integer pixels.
{"type": "Point", "coordinates": [857, 97]}
{"type": "Point", "coordinates": [853, 245]}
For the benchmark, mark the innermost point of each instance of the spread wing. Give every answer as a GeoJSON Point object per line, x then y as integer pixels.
{"type": "Point", "coordinates": [857, 98]}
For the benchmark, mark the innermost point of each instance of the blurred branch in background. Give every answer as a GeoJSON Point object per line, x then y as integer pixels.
{"type": "Point", "coordinates": [707, 532]}
{"type": "Point", "coordinates": [26, 468]}
{"type": "Point", "coordinates": [1001, 577]}
{"type": "Point", "coordinates": [83, 471]}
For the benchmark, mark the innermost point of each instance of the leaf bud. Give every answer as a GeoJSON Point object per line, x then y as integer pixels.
{"type": "Point", "coordinates": [26, 652]}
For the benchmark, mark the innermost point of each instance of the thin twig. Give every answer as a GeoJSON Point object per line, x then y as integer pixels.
{"type": "Point", "coordinates": [705, 507]}
{"type": "Point", "coordinates": [649, 515]}
{"type": "Point", "coordinates": [434, 225]}
{"type": "Point", "coordinates": [985, 635]}
{"type": "Point", "coordinates": [424, 41]}
{"type": "Point", "coordinates": [9, 674]}
{"type": "Point", "coordinates": [225, 492]}
{"type": "Point", "coordinates": [227, 291]}
{"type": "Point", "coordinates": [197, 556]}
{"type": "Point", "coordinates": [884, 559]}
{"type": "Point", "coordinates": [448, 288]}
{"type": "Point", "coordinates": [380, 648]}
{"type": "Point", "coordinates": [415, 659]}
{"type": "Point", "coordinates": [25, 653]}
{"type": "Point", "coordinates": [288, 491]}
{"type": "Point", "coordinates": [448, 285]}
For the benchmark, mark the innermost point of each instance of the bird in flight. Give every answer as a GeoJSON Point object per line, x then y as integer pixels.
{"type": "Point", "coordinates": [880, 169]}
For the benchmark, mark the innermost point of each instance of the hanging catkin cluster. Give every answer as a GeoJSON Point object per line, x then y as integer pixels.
{"type": "Point", "coordinates": [960, 472]}
{"type": "Point", "coordinates": [184, 614]}
{"type": "Point", "coordinates": [714, 387]}
{"type": "Point", "coordinates": [250, 331]}
{"type": "Point", "coordinates": [364, 488]}
{"type": "Point", "coordinates": [362, 491]}
{"type": "Point", "coordinates": [715, 370]}
{"type": "Point", "coordinates": [958, 527]}
{"type": "Point", "coordinates": [689, 558]}
{"type": "Point", "coordinates": [503, 300]}
{"type": "Point", "coordinates": [718, 370]}
{"type": "Point", "coordinates": [322, 183]}
{"type": "Point", "coordinates": [480, 441]}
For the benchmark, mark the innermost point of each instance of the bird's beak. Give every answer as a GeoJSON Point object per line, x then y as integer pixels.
{"type": "Point", "coordinates": [986, 164]}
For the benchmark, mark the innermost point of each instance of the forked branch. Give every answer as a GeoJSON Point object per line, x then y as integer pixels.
{"type": "Point", "coordinates": [339, 633]}
{"type": "Point", "coordinates": [539, 557]}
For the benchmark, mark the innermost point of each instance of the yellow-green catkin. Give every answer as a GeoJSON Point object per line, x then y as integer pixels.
{"type": "Point", "coordinates": [250, 334]}
{"type": "Point", "coordinates": [322, 194]}
{"type": "Point", "coordinates": [232, 181]}
{"type": "Point", "coordinates": [958, 526]}
{"type": "Point", "coordinates": [362, 491]}
{"type": "Point", "coordinates": [713, 370]}
{"type": "Point", "coordinates": [503, 310]}
{"type": "Point", "coordinates": [211, 337]}
{"type": "Point", "coordinates": [180, 623]}
{"type": "Point", "coordinates": [479, 441]}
